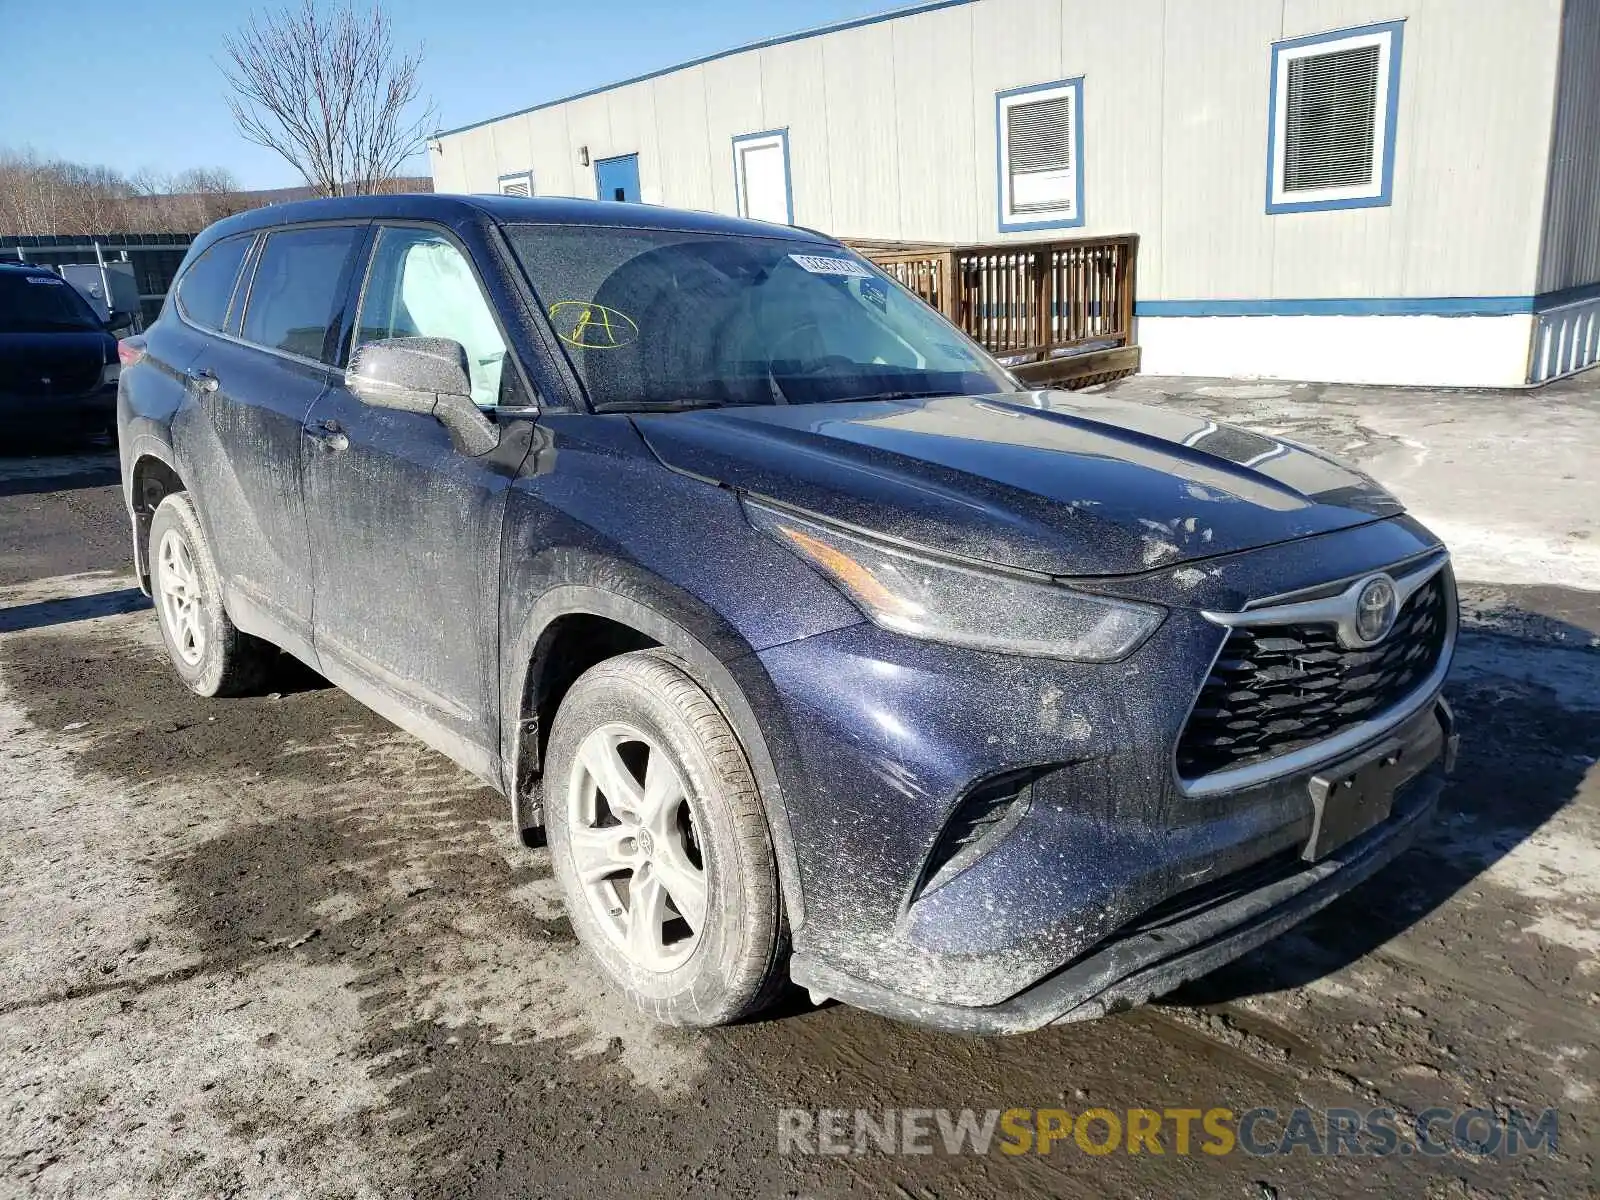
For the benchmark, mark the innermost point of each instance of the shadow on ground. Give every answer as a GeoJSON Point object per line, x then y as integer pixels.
{"type": "Point", "coordinates": [62, 464]}
{"type": "Point", "coordinates": [44, 613]}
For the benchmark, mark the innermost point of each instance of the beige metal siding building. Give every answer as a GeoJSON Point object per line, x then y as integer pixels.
{"type": "Point", "coordinates": [1367, 190]}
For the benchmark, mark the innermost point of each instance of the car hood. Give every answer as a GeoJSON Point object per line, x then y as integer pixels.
{"type": "Point", "coordinates": [1055, 482]}
{"type": "Point", "coordinates": [66, 345]}
{"type": "Point", "coordinates": [67, 358]}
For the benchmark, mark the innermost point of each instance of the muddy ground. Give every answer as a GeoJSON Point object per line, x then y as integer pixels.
{"type": "Point", "coordinates": [273, 946]}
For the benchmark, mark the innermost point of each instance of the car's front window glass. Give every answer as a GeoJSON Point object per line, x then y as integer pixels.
{"type": "Point", "coordinates": [31, 303]}
{"type": "Point", "coordinates": [420, 285]}
{"type": "Point", "coordinates": [295, 294]}
{"type": "Point", "coordinates": [657, 318]}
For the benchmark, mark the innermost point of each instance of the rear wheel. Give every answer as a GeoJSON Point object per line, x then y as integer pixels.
{"type": "Point", "coordinates": [660, 844]}
{"type": "Point", "coordinates": [211, 656]}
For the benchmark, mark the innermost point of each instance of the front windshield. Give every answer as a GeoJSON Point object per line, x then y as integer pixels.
{"type": "Point", "coordinates": [654, 318]}
{"type": "Point", "coordinates": [41, 304]}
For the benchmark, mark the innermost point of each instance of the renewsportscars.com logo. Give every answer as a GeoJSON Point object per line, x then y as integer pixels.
{"type": "Point", "coordinates": [1378, 1132]}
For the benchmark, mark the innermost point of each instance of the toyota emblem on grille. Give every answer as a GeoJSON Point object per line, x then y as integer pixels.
{"type": "Point", "coordinates": [1376, 605]}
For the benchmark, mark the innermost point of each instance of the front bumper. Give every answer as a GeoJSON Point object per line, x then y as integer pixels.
{"type": "Point", "coordinates": [56, 417]}
{"type": "Point", "coordinates": [878, 739]}
{"type": "Point", "coordinates": [1152, 957]}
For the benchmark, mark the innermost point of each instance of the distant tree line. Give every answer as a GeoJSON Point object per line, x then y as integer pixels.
{"type": "Point", "coordinates": [50, 196]}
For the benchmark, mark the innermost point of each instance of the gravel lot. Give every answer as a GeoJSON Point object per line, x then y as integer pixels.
{"type": "Point", "coordinates": [273, 946]}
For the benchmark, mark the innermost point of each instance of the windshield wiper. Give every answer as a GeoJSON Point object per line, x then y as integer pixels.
{"type": "Point", "coordinates": [910, 395]}
{"type": "Point", "coordinates": [686, 403]}
{"type": "Point", "coordinates": [677, 404]}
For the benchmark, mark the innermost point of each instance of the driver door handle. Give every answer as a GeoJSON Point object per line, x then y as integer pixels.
{"type": "Point", "coordinates": [329, 435]}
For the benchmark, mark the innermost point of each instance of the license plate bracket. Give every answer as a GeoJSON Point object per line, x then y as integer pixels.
{"type": "Point", "coordinates": [1350, 797]}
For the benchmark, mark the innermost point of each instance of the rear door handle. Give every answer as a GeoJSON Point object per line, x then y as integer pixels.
{"type": "Point", "coordinates": [328, 435]}
{"type": "Point", "coordinates": [203, 378]}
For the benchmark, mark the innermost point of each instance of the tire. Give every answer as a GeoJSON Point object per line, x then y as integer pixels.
{"type": "Point", "coordinates": [209, 654]}
{"type": "Point", "coordinates": [641, 713]}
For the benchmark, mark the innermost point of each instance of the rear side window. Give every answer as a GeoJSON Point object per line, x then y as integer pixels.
{"type": "Point", "coordinates": [208, 284]}
{"type": "Point", "coordinates": [296, 293]}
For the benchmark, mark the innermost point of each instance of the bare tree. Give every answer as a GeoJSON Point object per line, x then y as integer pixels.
{"type": "Point", "coordinates": [40, 195]}
{"type": "Point", "coordinates": [322, 86]}
{"type": "Point", "coordinates": [187, 201]}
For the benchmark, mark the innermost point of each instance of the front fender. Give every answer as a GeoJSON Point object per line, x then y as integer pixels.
{"type": "Point", "coordinates": [696, 638]}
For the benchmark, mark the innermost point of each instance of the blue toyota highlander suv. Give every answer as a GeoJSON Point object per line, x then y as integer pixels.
{"type": "Point", "coordinates": [816, 646]}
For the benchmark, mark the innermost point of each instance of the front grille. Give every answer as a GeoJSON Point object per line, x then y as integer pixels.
{"type": "Point", "coordinates": [67, 378]}
{"type": "Point", "coordinates": [1277, 688]}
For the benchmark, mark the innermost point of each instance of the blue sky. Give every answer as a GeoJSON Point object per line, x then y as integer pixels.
{"type": "Point", "coordinates": [137, 86]}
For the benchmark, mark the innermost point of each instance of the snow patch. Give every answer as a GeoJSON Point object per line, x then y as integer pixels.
{"type": "Point", "coordinates": [1559, 861]}
{"type": "Point", "coordinates": [1574, 931]}
{"type": "Point", "coordinates": [1515, 554]}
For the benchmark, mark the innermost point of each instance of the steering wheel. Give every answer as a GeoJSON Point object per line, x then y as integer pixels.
{"type": "Point", "coordinates": [808, 325]}
{"type": "Point", "coordinates": [805, 368]}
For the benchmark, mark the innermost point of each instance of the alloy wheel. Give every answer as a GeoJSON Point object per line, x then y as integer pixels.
{"type": "Point", "coordinates": [634, 848]}
{"type": "Point", "coordinates": [182, 603]}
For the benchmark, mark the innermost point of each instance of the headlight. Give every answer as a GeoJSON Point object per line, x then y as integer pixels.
{"type": "Point", "coordinates": [946, 602]}
{"type": "Point", "coordinates": [110, 373]}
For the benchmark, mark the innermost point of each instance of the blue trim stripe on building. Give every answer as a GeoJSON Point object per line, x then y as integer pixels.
{"type": "Point", "coordinates": [1390, 306]}
{"type": "Point", "coordinates": [766, 43]}
{"type": "Point", "coordinates": [1396, 32]}
{"type": "Point", "coordinates": [1076, 219]}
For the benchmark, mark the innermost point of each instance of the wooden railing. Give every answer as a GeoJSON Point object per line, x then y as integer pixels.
{"type": "Point", "coordinates": [1038, 306]}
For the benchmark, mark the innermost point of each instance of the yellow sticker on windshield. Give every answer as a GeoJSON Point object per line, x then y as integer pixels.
{"type": "Point", "coordinates": [592, 326]}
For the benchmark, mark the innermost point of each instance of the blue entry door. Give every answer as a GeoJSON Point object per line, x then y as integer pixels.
{"type": "Point", "coordinates": [617, 178]}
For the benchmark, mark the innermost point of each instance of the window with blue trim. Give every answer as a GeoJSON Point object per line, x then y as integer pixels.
{"type": "Point", "coordinates": [761, 176]}
{"type": "Point", "coordinates": [1039, 134]}
{"type": "Point", "coordinates": [1334, 102]}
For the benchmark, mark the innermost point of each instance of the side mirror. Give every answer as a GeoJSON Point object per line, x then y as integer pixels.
{"type": "Point", "coordinates": [423, 375]}
{"type": "Point", "coordinates": [116, 318]}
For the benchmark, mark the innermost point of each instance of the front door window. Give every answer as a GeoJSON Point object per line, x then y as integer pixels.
{"type": "Point", "coordinates": [420, 285]}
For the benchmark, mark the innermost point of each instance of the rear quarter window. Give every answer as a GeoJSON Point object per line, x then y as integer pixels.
{"type": "Point", "coordinates": [208, 284]}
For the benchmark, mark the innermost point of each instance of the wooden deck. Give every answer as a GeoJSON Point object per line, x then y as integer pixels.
{"type": "Point", "coordinates": [1057, 313]}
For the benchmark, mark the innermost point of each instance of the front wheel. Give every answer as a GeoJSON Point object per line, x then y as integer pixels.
{"type": "Point", "coordinates": [660, 843]}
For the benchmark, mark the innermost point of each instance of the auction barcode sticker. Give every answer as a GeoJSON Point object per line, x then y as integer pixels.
{"type": "Point", "coordinates": [819, 264]}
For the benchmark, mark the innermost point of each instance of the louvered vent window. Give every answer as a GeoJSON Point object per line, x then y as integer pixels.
{"type": "Point", "coordinates": [1039, 155]}
{"type": "Point", "coordinates": [1330, 120]}
{"type": "Point", "coordinates": [517, 185]}
{"type": "Point", "coordinates": [1334, 102]}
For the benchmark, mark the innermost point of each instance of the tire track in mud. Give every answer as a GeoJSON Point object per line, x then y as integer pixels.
{"type": "Point", "coordinates": [308, 847]}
